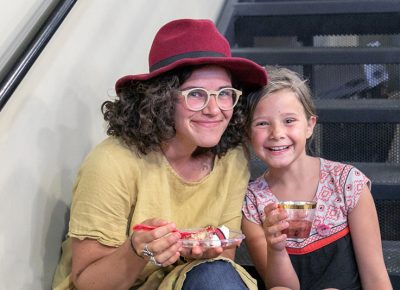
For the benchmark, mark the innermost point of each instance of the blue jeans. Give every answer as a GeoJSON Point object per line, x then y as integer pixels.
{"type": "Point", "coordinates": [213, 275]}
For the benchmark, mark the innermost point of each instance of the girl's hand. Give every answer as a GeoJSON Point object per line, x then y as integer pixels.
{"type": "Point", "coordinates": [273, 225]}
{"type": "Point", "coordinates": [161, 246]}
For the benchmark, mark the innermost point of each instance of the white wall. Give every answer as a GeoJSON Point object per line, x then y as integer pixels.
{"type": "Point", "coordinates": [53, 119]}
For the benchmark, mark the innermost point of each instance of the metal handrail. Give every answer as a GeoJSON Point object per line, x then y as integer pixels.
{"type": "Point", "coordinates": [24, 62]}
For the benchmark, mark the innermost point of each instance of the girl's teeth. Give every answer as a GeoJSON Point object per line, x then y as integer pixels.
{"type": "Point", "coordinates": [279, 148]}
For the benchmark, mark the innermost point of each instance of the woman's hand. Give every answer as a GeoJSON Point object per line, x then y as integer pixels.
{"type": "Point", "coordinates": [198, 252]}
{"type": "Point", "coordinates": [96, 266]}
{"type": "Point", "coordinates": [273, 225]}
{"type": "Point", "coordinates": [160, 246]}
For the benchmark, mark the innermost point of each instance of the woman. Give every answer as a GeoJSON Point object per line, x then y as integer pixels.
{"type": "Point", "coordinates": [173, 160]}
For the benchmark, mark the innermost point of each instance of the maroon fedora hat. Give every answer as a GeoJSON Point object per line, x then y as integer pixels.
{"type": "Point", "coordinates": [186, 42]}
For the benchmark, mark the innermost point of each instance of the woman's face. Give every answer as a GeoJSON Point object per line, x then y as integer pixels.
{"type": "Point", "coordinates": [202, 128]}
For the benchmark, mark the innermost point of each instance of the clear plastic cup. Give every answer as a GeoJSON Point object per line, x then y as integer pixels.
{"type": "Point", "coordinates": [300, 218]}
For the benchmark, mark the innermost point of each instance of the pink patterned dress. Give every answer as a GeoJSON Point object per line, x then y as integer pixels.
{"type": "Point", "coordinates": [326, 258]}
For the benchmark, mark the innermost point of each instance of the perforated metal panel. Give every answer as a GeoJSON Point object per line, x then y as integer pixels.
{"type": "Point", "coordinates": [388, 211]}
{"type": "Point", "coordinates": [357, 142]}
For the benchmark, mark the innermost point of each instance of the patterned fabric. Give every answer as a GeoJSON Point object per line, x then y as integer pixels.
{"type": "Point", "coordinates": [337, 194]}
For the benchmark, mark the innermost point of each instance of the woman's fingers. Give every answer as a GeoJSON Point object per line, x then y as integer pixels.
{"type": "Point", "coordinates": [213, 252]}
{"type": "Point", "coordinates": [156, 222]}
{"type": "Point", "coordinates": [165, 243]}
{"type": "Point", "coordinates": [162, 231]}
{"type": "Point", "coordinates": [186, 252]}
{"type": "Point", "coordinates": [160, 244]}
{"type": "Point", "coordinates": [164, 249]}
{"type": "Point", "coordinates": [153, 229]}
{"type": "Point", "coordinates": [199, 252]}
{"type": "Point", "coordinates": [170, 259]}
{"type": "Point", "coordinates": [167, 250]}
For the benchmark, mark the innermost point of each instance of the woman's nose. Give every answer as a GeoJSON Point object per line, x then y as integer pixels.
{"type": "Point", "coordinates": [212, 107]}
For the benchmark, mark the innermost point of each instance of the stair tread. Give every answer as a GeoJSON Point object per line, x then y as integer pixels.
{"type": "Point", "coordinates": [319, 55]}
{"type": "Point", "coordinates": [313, 7]}
{"type": "Point", "coordinates": [358, 110]}
{"type": "Point", "coordinates": [354, 104]}
{"type": "Point", "coordinates": [381, 173]}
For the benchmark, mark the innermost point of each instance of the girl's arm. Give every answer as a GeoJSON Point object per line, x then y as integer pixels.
{"type": "Point", "coordinates": [270, 258]}
{"type": "Point", "coordinates": [365, 234]}
{"type": "Point", "coordinates": [95, 266]}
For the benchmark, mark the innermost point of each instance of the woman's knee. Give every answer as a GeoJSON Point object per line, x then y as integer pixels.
{"type": "Point", "coordinates": [213, 275]}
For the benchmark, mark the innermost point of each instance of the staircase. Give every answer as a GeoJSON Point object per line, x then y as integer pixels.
{"type": "Point", "coordinates": [350, 53]}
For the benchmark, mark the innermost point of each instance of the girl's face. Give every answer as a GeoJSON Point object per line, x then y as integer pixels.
{"type": "Point", "coordinates": [202, 128]}
{"type": "Point", "coordinates": [279, 129]}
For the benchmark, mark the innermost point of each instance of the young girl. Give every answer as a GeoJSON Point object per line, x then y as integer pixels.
{"type": "Point", "coordinates": [344, 248]}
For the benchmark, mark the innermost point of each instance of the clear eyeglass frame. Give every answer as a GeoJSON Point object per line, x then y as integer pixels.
{"type": "Point", "coordinates": [216, 94]}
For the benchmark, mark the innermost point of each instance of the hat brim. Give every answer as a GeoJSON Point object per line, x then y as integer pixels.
{"type": "Point", "coordinates": [248, 73]}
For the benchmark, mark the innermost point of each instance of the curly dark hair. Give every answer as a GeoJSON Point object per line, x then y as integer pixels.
{"type": "Point", "coordinates": [142, 115]}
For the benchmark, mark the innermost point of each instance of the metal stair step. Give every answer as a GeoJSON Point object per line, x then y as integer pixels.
{"type": "Point", "coordinates": [312, 7]}
{"type": "Point", "coordinates": [319, 55]}
{"type": "Point", "coordinates": [358, 110]}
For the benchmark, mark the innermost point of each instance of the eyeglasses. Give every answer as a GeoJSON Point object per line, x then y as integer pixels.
{"type": "Point", "coordinates": [197, 98]}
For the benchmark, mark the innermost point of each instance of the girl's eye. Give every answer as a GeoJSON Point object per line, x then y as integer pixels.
{"type": "Point", "coordinates": [288, 121]}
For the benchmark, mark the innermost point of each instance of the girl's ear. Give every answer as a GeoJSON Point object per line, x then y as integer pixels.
{"type": "Point", "coordinates": [312, 121]}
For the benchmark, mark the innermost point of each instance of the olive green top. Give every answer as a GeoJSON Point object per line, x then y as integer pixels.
{"type": "Point", "coordinates": [115, 189]}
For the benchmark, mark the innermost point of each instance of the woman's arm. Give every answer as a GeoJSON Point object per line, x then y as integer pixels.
{"type": "Point", "coordinates": [95, 266]}
{"type": "Point", "coordinates": [267, 250]}
{"type": "Point", "coordinates": [365, 234]}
